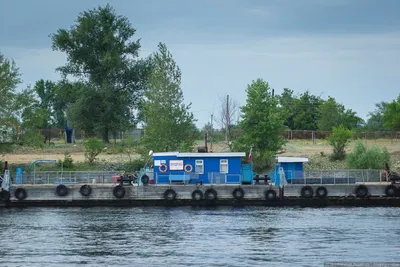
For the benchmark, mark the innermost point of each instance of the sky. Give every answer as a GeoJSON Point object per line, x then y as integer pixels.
{"type": "Point", "coordinates": [347, 49]}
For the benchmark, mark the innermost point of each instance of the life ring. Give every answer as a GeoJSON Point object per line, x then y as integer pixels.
{"type": "Point", "coordinates": [270, 195]}
{"type": "Point", "coordinates": [390, 190]}
{"type": "Point", "coordinates": [169, 194]}
{"type": "Point", "coordinates": [307, 191]}
{"type": "Point", "coordinates": [145, 179]}
{"type": "Point", "coordinates": [62, 190]}
{"type": "Point", "coordinates": [5, 195]}
{"type": "Point", "coordinates": [161, 169]}
{"type": "Point", "coordinates": [85, 190]}
{"type": "Point", "coordinates": [238, 193]}
{"type": "Point", "coordinates": [188, 168]}
{"type": "Point", "coordinates": [197, 195]}
{"type": "Point", "coordinates": [321, 192]}
{"type": "Point", "coordinates": [361, 191]}
{"type": "Point", "coordinates": [20, 194]}
{"type": "Point", "coordinates": [211, 194]}
{"type": "Point", "coordinates": [119, 191]}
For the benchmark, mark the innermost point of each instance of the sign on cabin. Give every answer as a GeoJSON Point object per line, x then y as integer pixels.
{"type": "Point", "coordinates": [176, 165]}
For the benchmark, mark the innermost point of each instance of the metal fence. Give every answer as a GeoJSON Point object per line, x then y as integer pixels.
{"type": "Point", "coordinates": [334, 176]}
{"type": "Point", "coordinates": [69, 177]}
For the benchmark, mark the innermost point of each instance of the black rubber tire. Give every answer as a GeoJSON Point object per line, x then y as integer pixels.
{"type": "Point", "coordinates": [321, 192]}
{"type": "Point", "coordinates": [390, 191]}
{"type": "Point", "coordinates": [211, 194]}
{"type": "Point", "coordinates": [20, 193]}
{"type": "Point", "coordinates": [5, 195]}
{"type": "Point", "coordinates": [119, 191]}
{"type": "Point", "coordinates": [361, 191]}
{"type": "Point", "coordinates": [197, 195]}
{"type": "Point", "coordinates": [238, 193]}
{"type": "Point", "coordinates": [85, 190]}
{"type": "Point", "coordinates": [170, 195]}
{"type": "Point", "coordinates": [307, 192]}
{"type": "Point", "coordinates": [270, 195]}
{"type": "Point", "coordinates": [145, 179]}
{"type": "Point", "coordinates": [62, 190]}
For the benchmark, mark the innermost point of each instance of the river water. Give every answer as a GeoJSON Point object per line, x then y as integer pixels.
{"type": "Point", "coordinates": [197, 236]}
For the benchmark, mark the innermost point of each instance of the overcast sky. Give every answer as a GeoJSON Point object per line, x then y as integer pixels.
{"type": "Point", "coordinates": [348, 49]}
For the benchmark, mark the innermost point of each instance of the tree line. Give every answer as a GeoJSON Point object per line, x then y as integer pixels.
{"type": "Point", "coordinates": [106, 87]}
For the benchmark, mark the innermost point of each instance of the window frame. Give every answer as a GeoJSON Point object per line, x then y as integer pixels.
{"type": "Point", "coordinates": [196, 163]}
{"type": "Point", "coordinates": [221, 163]}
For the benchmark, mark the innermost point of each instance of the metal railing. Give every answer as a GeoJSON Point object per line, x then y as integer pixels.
{"type": "Point", "coordinates": [69, 177]}
{"type": "Point", "coordinates": [184, 178]}
{"type": "Point", "coordinates": [333, 176]}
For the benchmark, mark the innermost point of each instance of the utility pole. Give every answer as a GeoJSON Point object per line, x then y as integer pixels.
{"type": "Point", "coordinates": [211, 136]}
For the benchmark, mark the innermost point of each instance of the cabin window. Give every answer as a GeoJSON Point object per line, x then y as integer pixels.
{"type": "Point", "coordinates": [223, 166]}
{"type": "Point", "coordinates": [199, 168]}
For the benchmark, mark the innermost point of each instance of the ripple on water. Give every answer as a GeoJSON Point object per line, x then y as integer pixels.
{"type": "Point", "coordinates": [197, 237]}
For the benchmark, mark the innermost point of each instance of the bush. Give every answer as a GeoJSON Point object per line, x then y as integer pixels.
{"type": "Point", "coordinates": [93, 147]}
{"type": "Point", "coordinates": [339, 139]}
{"type": "Point", "coordinates": [67, 163]}
{"type": "Point", "coordinates": [364, 157]}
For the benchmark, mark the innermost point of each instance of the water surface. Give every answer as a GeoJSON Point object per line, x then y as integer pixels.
{"type": "Point", "coordinates": [197, 236]}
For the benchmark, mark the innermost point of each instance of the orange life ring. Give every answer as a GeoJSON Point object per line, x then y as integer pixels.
{"type": "Point", "coordinates": [165, 169]}
{"type": "Point", "coordinates": [190, 169]}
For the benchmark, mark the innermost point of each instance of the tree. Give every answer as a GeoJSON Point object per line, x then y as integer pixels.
{"type": "Point", "coordinates": [375, 121]}
{"type": "Point", "coordinates": [391, 117]}
{"type": "Point", "coordinates": [9, 79]}
{"type": "Point", "coordinates": [261, 124]}
{"type": "Point", "coordinates": [100, 51]}
{"type": "Point", "coordinates": [339, 139]}
{"type": "Point", "coordinates": [363, 157]}
{"type": "Point", "coordinates": [169, 124]}
{"type": "Point", "coordinates": [288, 103]}
{"type": "Point", "coordinates": [229, 113]}
{"type": "Point", "coordinates": [333, 114]}
{"type": "Point", "coordinates": [307, 112]}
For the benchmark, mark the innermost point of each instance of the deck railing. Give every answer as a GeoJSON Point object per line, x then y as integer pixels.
{"type": "Point", "coordinates": [69, 177]}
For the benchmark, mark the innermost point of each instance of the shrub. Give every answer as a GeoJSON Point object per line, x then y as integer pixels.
{"type": "Point", "coordinates": [363, 157]}
{"type": "Point", "coordinates": [339, 139]}
{"type": "Point", "coordinates": [134, 165]}
{"type": "Point", "coordinates": [67, 163]}
{"type": "Point", "coordinates": [93, 147]}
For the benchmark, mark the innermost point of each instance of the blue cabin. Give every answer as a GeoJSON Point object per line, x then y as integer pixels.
{"type": "Point", "coordinates": [193, 168]}
{"type": "Point", "coordinates": [292, 167]}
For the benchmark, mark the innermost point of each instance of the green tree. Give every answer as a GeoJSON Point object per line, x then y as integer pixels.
{"type": "Point", "coordinates": [45, 91]}
{"type": "Point", "coordinates": [169, 124]}
{"type": "Point", "coordinates": [333, 114]}
{"type": "Point", "coordinates": [262, 125]}
{"type": "Point", "coordinates": [93, 148]}
{"type": "Point", "coordinates": [9, 80]}
{"type": "Point", "coordinates": [288, 103]}
{"type": "Point", "coordinates": [100, 50]}
{"type": "Point", "coordinates": [375, 121]}
{"type": "Point", "coordinates": [339, 140]}
{"type": "Point", "coordinates": [307, 112]}
{"type": "Point", "coordinates": [391, 117]}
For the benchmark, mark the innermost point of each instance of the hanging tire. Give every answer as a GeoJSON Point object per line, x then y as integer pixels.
{"type": "Point", "coordinates": [211, 194]}
{"type": "Point", "coordinates": [321, 192]}
{"type": "Point", "coordinates": [85, 190]}
{"type": "Point", "coordinates": [169, 194]}
{"type": "Point", "coordinates": [119, 191]}
{"type": "Point", "coordinates": [145, 179]}
{"type": "Point", "coordinates": [307, 191]}
{"type": "Point", "coordinates": [20, 193]}
{"type": "Point", "coordinates": [197, 195]}
{"type": "Point", "coordinates": [361, 191]}
{"type": "Point", "coordinates": [238, 193]}
{"type": "Point", "coordinates": [270, 195]}
{"type": "Point", "coordinates": [62, 190]}
{"type": "Point", "coordinates": [5, 195]}
{"type": "Point", "coordinates": [390, 190]}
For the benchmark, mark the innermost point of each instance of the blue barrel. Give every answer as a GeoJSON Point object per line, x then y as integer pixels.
{"type": "Point", "coordinates": [18, 176]}
{"type": "Point", "coordinates": [247, 173]}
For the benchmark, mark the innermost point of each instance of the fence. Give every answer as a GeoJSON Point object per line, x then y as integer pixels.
{"type": "Point", "coordinates": [315, 135]}
{"type": "Point", "coordinates": [334, 176]}
{"type": "Point", "coordinates": [193, 178]}
{"type": "Point", "coordinates": [68, 177]}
